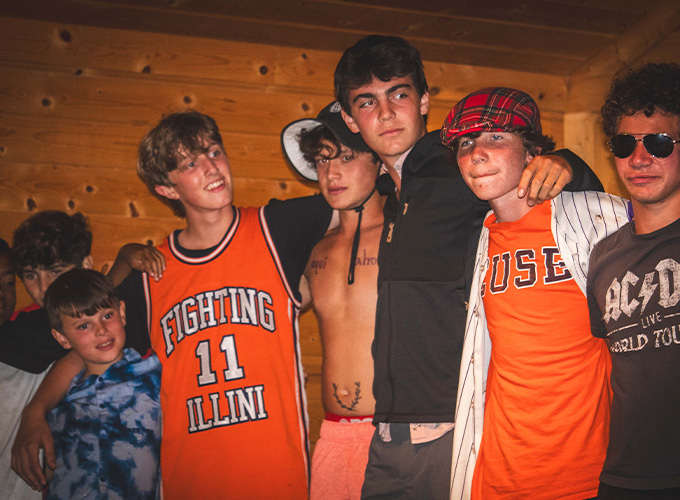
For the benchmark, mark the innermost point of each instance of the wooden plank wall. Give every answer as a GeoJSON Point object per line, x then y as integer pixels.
{"type": "Point", "coordinates": [76, 100]}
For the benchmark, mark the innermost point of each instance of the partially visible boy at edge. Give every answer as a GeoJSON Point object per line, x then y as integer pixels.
{"type": "Point", "coordinates": [44, 246]}
{"type": "Point", "coordinates": [634, 288]}
{"type": "Point", "coordinates": [342, 273]}
{"type": "Point", "coordinates": [223, 324]}
{"type": "Point", "coordinates": [11, 486]}
{"type": "Point", "coordinates": [107, 430]}
{"type": "Point", "coordinates": [427, 249]}
{"type": "Point", "coordinates": [8, 294]}
{"type": "Point", "coordinates": [544, 408]}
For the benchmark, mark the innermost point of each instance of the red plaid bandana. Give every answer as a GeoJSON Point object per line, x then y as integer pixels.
{"type": "Point", "coordinates": [495, 108]}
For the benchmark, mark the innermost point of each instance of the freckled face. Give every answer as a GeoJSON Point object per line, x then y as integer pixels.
{"type": "Point", "coordinates": [650, 180]}
{"type": "Point", "coordinates": [492, 164]}
{"type": "Point", "coordinates": [346, 180]}
{"type": "Point", "coordinates": [389, 116]}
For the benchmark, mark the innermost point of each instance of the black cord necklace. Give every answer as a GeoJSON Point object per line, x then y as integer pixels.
{"type": "Point", "coordinates": [357, 236]}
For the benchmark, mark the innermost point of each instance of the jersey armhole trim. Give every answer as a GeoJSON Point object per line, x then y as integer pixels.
{"type": "Point", "coordinates": [275, 256]}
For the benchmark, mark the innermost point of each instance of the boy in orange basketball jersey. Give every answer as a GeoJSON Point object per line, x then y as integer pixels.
{"type": "Point", "coordinates": [545, 413]}
{"type": "Point", "coordinates": [223, 322]}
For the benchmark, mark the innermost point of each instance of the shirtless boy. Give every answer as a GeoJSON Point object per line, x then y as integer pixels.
{"type": "Point", "coordinates": [342, 274]}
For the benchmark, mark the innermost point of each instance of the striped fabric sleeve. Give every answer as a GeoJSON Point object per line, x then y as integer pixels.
{"type": "Point", "coordinates": [582, 219]}
{"type": "Point", "coordinates": [579, 221]}
{"type": "Point", "coordinates": [467, 432]}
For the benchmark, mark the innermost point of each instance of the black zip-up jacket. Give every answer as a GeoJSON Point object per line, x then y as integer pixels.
{"type": "Point", "coordinates": [426, 261]}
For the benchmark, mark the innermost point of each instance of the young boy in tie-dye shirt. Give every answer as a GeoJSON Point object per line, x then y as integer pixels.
{"type": "Point", "coordinates": [107, 429]}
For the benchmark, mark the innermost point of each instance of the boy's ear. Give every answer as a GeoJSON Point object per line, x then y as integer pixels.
{"type": "Point", "coordinates": [167, 192]}
{"type": "Point", "coordinates": [424, 103]}
{"type": "Point", "coordinates": [121, 309]}
{"type": "Point", "coordinates": [349, 121]}
{"type": "Point", "coordinates": [528, 157]}
{"type": "Point", "coordinates": [87, 262]}
{"type": "Point", "coordinates": [59, 337]}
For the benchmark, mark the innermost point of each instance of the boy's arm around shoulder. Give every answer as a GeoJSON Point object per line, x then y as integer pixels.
{"type": "Point", "coordinates": [137, 257]}
{"type": "Point", "coordinates": [295, 226]}
{"type": "Point", "coordinates": [582, 176]}
{"type": "Point", "coordinates": [547, 175]}
{"type": "Point", "coordinates": [131, 291]}
{"type": "Point", "coordinates": [34, 433]}
{"type": "Point", "coordinates": [580, 221]}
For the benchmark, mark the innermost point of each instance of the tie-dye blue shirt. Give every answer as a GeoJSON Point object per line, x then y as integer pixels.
{"type": "Point", "coordinates": [107, 433]}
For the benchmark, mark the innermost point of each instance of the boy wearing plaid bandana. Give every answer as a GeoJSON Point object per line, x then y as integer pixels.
{"type": "Point", "coordinates": [541, 394]}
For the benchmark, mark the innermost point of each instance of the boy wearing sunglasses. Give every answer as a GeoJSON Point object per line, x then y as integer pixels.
{"type": "Point", "coordinates": [634, 288]}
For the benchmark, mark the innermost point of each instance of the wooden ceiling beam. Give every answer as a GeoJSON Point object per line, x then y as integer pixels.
{"type": "Point", "coordinates": [660, 22]}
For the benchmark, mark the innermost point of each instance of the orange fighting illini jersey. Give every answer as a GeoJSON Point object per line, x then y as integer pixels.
{"type": "Point", "coordinates": [224, 327]}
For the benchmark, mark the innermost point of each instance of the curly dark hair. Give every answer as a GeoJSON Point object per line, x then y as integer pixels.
{"type": "Point", "coordinates": [51, 237]}
{"type": "Point", "coordinates": [312, 140]}
{"type": "Point", "coordinates": [648, 89]}
{"type": "Point", "coordinates": [311, 143]}
{"type": "Point", "coordinates": [381, 57]}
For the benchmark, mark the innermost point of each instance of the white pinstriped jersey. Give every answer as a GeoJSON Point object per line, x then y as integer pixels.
{"type": "Point", "coordinates": [579, 221]}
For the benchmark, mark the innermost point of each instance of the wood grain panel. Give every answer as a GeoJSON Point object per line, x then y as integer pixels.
{"type": "Point", "coordinates": [105, 145]}
{"type": "Point", "coordinates": [463, 45]}
{"type": "Point", "coordinates": [314, 405]}
{"type": "Point", "coordinates": [607, 16]}
{"type": "Point", "coordinates": [117, 192]}
{"type": "Point", "coordinates": [104, 53]}
{"type": "Point", "coordinates": [137, 99]}
{"type": "Point", "coordinates": [261, 17]}
{"type": "Point", "coordinates": [587, 93]}
{"type": "Point", "coordinates": [85, 50]}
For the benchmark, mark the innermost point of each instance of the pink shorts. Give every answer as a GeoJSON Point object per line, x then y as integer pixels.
{"type": "Point", "coordinates": [339, 460]}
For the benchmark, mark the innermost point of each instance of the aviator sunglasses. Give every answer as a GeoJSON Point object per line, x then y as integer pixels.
{"type": "Point", "coordinates": [657, 145]}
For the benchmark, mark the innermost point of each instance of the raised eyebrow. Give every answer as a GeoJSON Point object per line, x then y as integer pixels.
{"type": "Point", "coordinates": [366, 95]}
{"type": "Point", "coordinates": [400, 86]}
{"type": "Point", "coordinates": [391, 90]}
